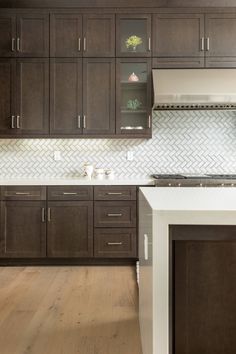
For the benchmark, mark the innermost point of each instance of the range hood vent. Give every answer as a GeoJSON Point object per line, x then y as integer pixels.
{"type": "Point", "coordinates": [191, 89]}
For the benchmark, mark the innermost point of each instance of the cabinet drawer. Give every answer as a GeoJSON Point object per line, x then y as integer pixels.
{"type": "Point", "coordinates": [70, 193]}
{"type": "Point", "coordinates": [115, 214]}
{"type": "Point", "coordinates": [115, 243]}
{"type": "Point", "coordinates": [24, 193]}
{"type": "Point", "coordinates": [115, 193]}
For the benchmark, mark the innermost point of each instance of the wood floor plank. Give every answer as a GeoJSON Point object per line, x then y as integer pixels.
{"type": "Point", "coordinates": [69, 310]}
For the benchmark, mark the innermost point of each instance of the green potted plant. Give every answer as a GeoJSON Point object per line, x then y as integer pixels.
{"type": "Point", "coordinates": [133, 105]}
{"type": "Point", "coordinates": [132, 42]}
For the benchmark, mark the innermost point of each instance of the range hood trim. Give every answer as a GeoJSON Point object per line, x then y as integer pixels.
{"type": "Point", "coordinates": [170, 86]}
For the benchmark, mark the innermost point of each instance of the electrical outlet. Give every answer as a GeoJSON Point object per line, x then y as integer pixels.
{"type": "Point", "coordinates": [57, 156]}
{"type": "Point", "coordinates": [130, 155]}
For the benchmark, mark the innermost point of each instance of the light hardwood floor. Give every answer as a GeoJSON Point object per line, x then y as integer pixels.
{"type": "Point", "coordinates": [68, 310]}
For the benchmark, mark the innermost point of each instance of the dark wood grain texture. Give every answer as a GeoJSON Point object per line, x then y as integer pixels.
{"type": "Point", "coordinates": [70, 193]}
{"type": "Point", "coordinates": [178, 63]}
{"type": "Point", "coordinates": [204, 278]}
{"type": "Point", "coordinates": [118, 243]}
{"type": "Point", "coordinates": [98, 96]}
{"type": "Point", "coordinates": [115, 193]}
{"type": "Point", "coordinates": [66, 96]}
{"type": "Point", "coordinates": [23, 230]}
{"type": "Point", "coordinates": [23, 193]}
{"type": "Point", "coordinates": [7, 35]}
{"type": "Point", "coordinates": [115, 214]}
{"type": "Point", "coordinates": [70, 229]}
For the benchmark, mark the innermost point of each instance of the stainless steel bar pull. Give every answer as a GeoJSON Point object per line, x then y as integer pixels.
{"type": "Point", "coordinates": [69, 193]}
{"type": "Point", "coordinates": [79, 122]}
{"type": "Point", "coordinates": [208, 44]}
{"type": "Point", "coordinates": [79, 44]}
{"type": "Point", "coordinates": [13, 44]}
{"type": "Point", "coordinates": [202, 44]}
{"type": "Point", "coordinates": [13, 122]}
{"type": "Point", "coordinates": [18, 122]}
{"type": "Point", "coordinates": [149, 44]}
{"type": "Point", "coordinates": [85, 44]}
{"type": "Point", "coordinates": [114, 193]}
{"type": "Point", "coordinates": [18, 44]}
{"type": "Point", "coordinates": [114, 243]}
{"type": "Point", "coordinates": [43, 215]}
{"type": "Point", "coordinates": [114, 215]}
{"type": "Point", "coordinates": [84, 122]}
{"type": "Point", "coordinates": [49, 214]}
{"type": "Point", "coordinates": [22, 193]}
{"type": "Point", "coordinates": [149, 122]}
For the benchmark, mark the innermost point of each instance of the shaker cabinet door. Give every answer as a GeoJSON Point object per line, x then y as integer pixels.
{"type": "Point", "coordinates": [66, 96]}
{"type": "Point", "coordinates": [7, 35]}
{"type": "Point", "coordinates": [66, 35]}
{"type": "Point", "coordinates": [99, 35]}
{"type": "Point", "coordinates": [178, 35]}
{"type": "Point", "coordinates": [98, 96]}
{"type": "Point", "coordinates": [32, 96]}
{"type": "Point", "coordinates": [70, 229]}
{"type": "Point", "coordinates": [32, 35]}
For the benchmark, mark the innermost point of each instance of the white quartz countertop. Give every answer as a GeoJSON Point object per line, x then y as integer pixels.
{"type": "Point", "coordinates": [191, 199]}
{"type": "Point", "coordinates": [80, 181]}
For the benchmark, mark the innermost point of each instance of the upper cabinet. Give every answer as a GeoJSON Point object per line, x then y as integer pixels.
{"type": "Point", "coordinates": [178, 35]}
{"type": "Point", "coordinates": [194, 40]}
{"type": "Point", "coordinates": [220, 35]}
{"type": "Point", "coordinates": [133, 35]}
{"type": "Point", "coordinates": [24, 35]}
{"type": "Point", "coordinates": [82, 35]}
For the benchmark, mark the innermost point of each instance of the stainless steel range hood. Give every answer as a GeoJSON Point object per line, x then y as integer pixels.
{"type": "Point", "coordinates": [194, 89]}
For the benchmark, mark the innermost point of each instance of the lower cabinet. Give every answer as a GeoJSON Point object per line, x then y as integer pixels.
{"type": "Point", "coordinates": [23, 229]}
{"type": "Point", "coordinates": [70, 229]}
{"type": "Point", "coordinates": [115, 243]}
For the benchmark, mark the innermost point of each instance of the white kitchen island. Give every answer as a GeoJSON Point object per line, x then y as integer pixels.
{"type": "Point", "coordinates": [158, 209]}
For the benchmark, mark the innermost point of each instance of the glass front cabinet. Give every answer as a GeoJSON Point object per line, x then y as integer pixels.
{"type": "Point", "coordinates": [133, 36]}
{"type": "Point", "coordinates": [133, 96]}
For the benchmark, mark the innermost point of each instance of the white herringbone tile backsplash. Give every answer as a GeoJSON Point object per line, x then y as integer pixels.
{"type": "Point", "coordinates": [183, 141]}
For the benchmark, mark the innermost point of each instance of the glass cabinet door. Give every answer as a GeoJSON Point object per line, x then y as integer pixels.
{"type": "Point", "coordinates": [133, 35]}
{"type": "Point", "coordinates": [133, 96]}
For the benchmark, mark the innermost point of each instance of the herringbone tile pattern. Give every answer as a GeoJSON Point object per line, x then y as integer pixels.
{"type": "Point", "coordinates": [201, 141]}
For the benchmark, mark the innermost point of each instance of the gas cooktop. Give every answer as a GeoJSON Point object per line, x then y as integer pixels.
{"type": "Point", "coordinates": [193, 176]}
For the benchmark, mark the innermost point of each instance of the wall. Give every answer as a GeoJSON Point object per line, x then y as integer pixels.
{"type": "Point", "coordinates": [201, 141]}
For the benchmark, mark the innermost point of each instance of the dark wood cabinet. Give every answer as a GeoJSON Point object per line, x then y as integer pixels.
{"type": "Point", "coordinates": [66, 35]}
{"type": "Point", "coordinates": [75, 35]}
{"type": "Point", "coordinates": [178, 63]}
{"type": "Point", "coordinates": [23, 229]}
{"type": "Point", "coordinates": [24, 35]}
{"type": "Point", "coordinates": [99, 35]}
{"type": "Point", "coordinates": [115, 214]}
{"type": "Point", "coordinates": [115, 243]}
{"type": "Point", "coordinates": [178, 35]}
{"type": "Point", "coordinates": [66, 96]}
{"type": "Point", "coordinates": [7, 96]}
{"type": "Point", "coordinates": [220, 35]}
{"type": "Point", "coordinates": [98, 96]}
{"type": "Point", "coordinates": [70, 229]}
{"type": "Point", "coordinates": [32, 109]}
{"type": "Point", "coordinates": [32, 35]}
{"type": "Point", "coordinates": [7, 35]}
{"type": "Point", "coordinates": [133, 35]}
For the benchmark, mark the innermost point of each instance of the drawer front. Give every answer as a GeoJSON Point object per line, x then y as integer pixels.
{"type": "Point", "coordinates": [70, 193]}
{"type": "Point", "coordinates": [115, 214]}
{"type": "Point", "coordinates": [115, 243]}
{"type": "Point", "coordinates": [115, 193]}
{"type": "Point", "coordinates": [24, 193]}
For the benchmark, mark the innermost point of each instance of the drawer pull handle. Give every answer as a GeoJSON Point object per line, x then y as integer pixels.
{"type": "Point", "coordinates": [69, 193]}
{"type": "Point", "coordinates": [115, 215]}
{"type": "Point", "coordinates": [43, 214]}
{"type": "Point", "coordinates": [114, 193]}
{"type": "Point", "coordinates": [22, 193]}
{"type": "Point", "coordinates": [114, 243]}
{"type": "Point", "coordinates": [49, 214]}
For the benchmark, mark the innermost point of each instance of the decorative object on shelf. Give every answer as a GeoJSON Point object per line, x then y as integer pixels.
{"type": "Point", "coordinates": [110, 174]}
{"type": "Point", "coordinates": [99, 173]}
{"type": "Point", "coordinates": [133, 42]}
{"type": "Point", "coordinates": [133, 78]}
{"type": "Point", "coordinates": [134, 104]}
{"type": "Point", "coordinates": [88, 170]}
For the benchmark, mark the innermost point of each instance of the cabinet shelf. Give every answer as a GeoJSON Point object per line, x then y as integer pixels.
{"type": "Point", "coordinates": [129, 111]}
